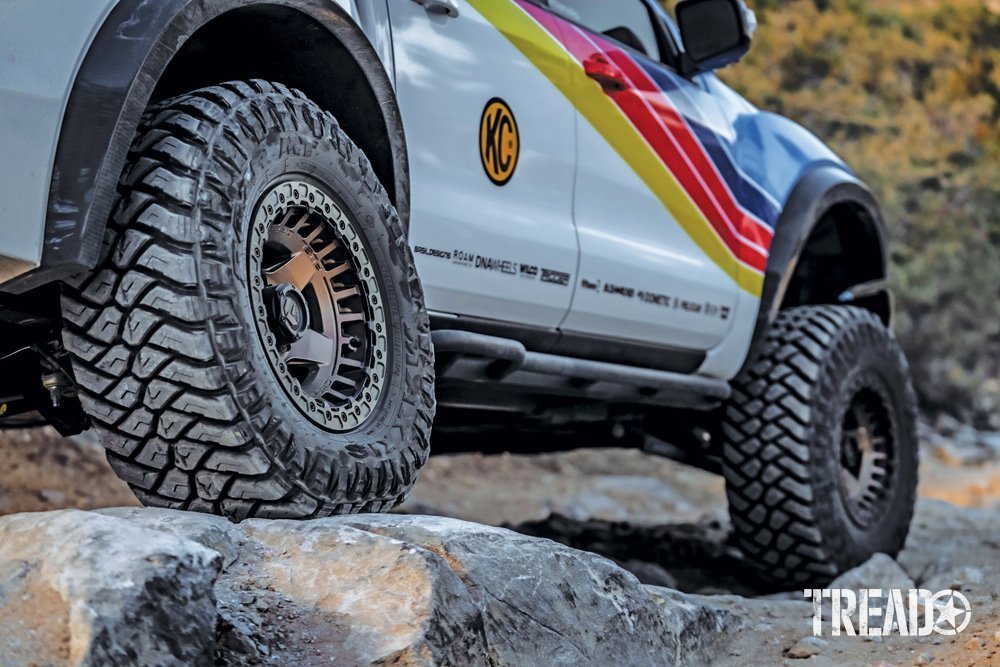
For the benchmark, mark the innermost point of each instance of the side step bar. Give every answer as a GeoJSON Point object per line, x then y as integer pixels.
{"type": "Point", "coordinates": [464, 357]}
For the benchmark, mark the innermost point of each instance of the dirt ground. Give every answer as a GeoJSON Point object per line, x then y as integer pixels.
{"type": "Point", "coordinates": [43, 471]}
{"type": "Point", "coordinates": [605, 491]}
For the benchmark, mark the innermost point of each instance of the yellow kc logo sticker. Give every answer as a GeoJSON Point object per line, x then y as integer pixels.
{"type": "Point", "coordinates": [499, 141]}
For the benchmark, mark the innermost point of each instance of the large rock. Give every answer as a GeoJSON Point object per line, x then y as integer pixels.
{"type": "Point", "coordinates": [368, 598]}
{"type": "Point", "coordinates": [879, 571]}
{"type": "Point", "coordinates": [325, 592]}
{"type": "Point", "coordinates": [944, 537]}
{"type": "Point", "coordinates": [414, 590]}
{"type": "Point", "coordinates": [83, 589]}
{"type": "Point", "coordinates": [545, 603]}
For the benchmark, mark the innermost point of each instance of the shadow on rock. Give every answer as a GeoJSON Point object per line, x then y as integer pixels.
{"type": "Point", "coordinates": [691, 557]}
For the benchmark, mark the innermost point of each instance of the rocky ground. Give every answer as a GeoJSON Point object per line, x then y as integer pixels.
{"type": "Point", "coordinates": [76, 587]}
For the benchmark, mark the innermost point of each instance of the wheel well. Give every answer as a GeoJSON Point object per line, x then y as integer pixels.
{"type": "Point", "coordinates": [844, 250]}
{"type": "Point", "coordinates": [285, 45]}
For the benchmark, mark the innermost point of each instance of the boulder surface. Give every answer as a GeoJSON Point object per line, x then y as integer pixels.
{"type": "Point", "coordinates": [156, 587]}
{"type": "Point", "coordinates": [78, 588]}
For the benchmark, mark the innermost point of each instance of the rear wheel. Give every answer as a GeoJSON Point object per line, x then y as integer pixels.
{"type": "Point", "coordinates": [254, 342]}
{"type": "Point", "coordinates": [820, 446]}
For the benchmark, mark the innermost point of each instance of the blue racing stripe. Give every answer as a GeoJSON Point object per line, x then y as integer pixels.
{"type": "Point", "coordinates": [747, 193]}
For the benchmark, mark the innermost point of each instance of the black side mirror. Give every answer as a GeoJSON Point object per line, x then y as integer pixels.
{"type": "Point", "coordinates": [715, 33]}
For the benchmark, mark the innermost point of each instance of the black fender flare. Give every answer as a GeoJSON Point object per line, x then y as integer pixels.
{"type": "Point", "coordinates": [815, 193]}
{"type": "Point", "coordinates": [112, 89]}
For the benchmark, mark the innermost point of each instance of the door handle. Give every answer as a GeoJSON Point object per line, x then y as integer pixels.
{"type": "Point", "coordinates": [446, 7]}
{"type": "Point", "coordinates": [600, 68]}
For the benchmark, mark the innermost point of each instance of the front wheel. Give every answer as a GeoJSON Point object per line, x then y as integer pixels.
{"type": "Point", "coordinates": [254, 342]}
{"type": "Point", "coordinates": [820, 446]}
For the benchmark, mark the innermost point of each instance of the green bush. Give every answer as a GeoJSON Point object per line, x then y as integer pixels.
{"type": "Point", "coordinates": [908, 92]}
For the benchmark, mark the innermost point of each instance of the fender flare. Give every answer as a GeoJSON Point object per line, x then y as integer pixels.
{"type": "Point", "coordinates": [112, 90]}
{"type": "Point", "coordinates": [815, 193]}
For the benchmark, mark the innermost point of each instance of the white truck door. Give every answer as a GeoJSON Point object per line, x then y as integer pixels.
{"type": "Point", "coordinates": [492, 150]}
{"type": "Point", "coordinates": [665, 255]}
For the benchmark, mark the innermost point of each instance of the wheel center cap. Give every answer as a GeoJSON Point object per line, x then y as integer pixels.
{"type": "Point", "coordinates": [290, 312]}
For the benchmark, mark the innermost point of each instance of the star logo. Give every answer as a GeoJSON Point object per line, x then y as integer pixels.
{"type": "Point", "coordinates": [290, 310]}
{"type": "Point", "coordinates": [953, 612]}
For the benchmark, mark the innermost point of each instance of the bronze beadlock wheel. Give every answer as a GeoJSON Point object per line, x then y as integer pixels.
{"type": "Point", "coordinates": [866, 455]}
{"type": "Point", "coordinates": [318, 305]}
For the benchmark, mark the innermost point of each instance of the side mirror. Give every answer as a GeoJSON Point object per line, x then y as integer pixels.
{"type": "Point", "coordinates": [715, 33]}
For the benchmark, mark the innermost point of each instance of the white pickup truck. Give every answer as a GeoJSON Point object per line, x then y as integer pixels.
{"type": "Point", "coordinates": [267, 247]}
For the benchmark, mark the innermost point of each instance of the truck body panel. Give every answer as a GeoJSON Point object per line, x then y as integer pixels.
{"type": "Point", "coordinates": [44, 42]}
{"type": "Point", "coordinates": [44, 45]}
{"type": "Point", "coordinates": [643, 217]}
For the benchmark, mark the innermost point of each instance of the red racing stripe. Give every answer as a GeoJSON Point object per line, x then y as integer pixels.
{"type": "Point", "coordinates": [659, 132]}
{"type": "Point", "coordinates": [673, 157]}
{"type": "Point", "coordinates": [674, 123]}
{"type": "Point", "coordinates": [691, 156]}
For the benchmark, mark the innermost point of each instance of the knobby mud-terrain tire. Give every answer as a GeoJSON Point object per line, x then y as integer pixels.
{"type": "Point", "coordinates": [180, 337]}
{"type": "Point", "coordinates": [820, 446]}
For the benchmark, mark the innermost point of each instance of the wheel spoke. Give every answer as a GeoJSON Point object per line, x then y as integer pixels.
{"type": "Point", "coordinates": [345, 293]}
{"type": "Point", "coordinates": [351, 363]}
{"type": "Point", "coordinates": [313, 348]}
{"type": "Point", "coordinates": [340, 379]}
{"type": "Point", "coordinates": [303, 219]}
{"type": "Point", "coordinates": [298, 271]}
{"type": "Point", "coordinates": [327, 249]}
{"type": "Point", "coordinates": [337, 270]}
{"type": "Point", "coordinates": [313, 235]}
{"type": "Point", "coordinates": [327, 391]}
{"type": "Point", "coordinates": [346, 318]}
